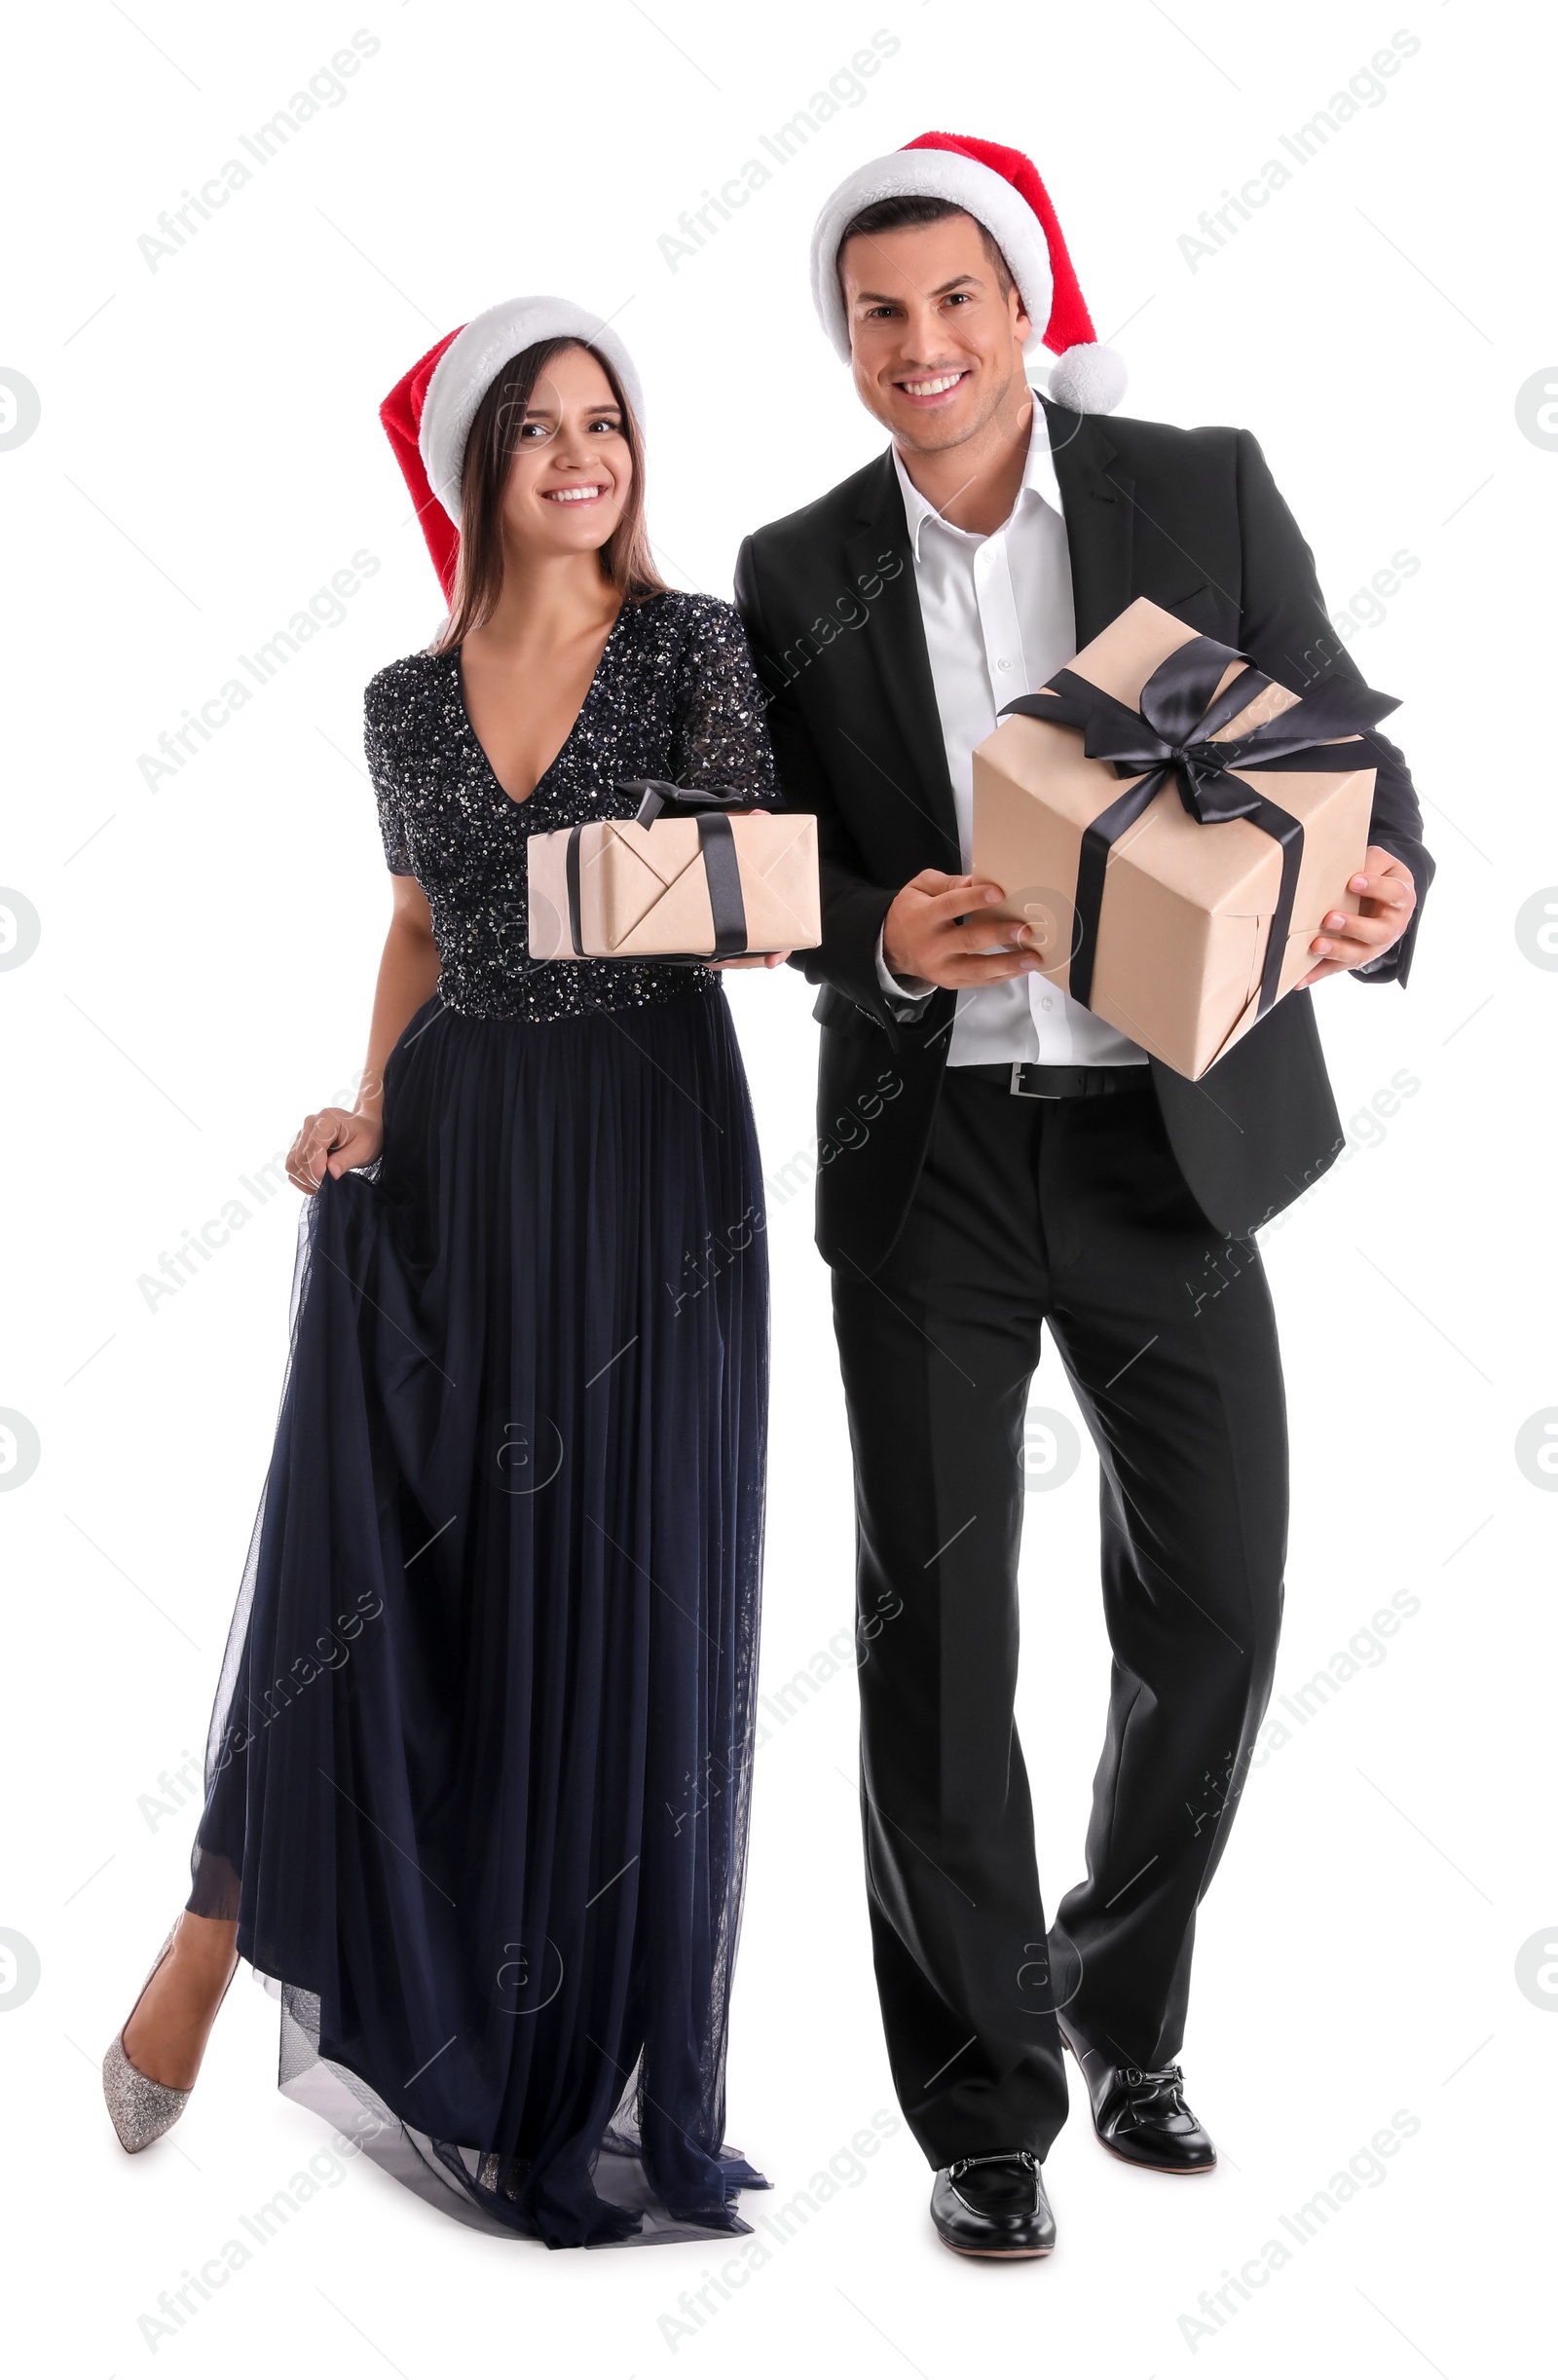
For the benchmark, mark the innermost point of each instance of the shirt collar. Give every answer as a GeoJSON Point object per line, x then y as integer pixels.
{"type": "Point", "coordinates": [1038, 480]}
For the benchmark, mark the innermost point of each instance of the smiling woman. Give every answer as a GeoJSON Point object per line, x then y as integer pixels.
{"type": "Point", "coordinates": [524, 446]}
{"type": "Point", "coordinates": [554, 474]}
{"type": "Point", "coordinates": [492, 1862]}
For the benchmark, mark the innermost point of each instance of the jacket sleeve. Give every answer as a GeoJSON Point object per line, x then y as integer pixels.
{"type": "Point", "coordinates": [852, 906]}
{"type": "Point", "coordinates": [1287, 630]}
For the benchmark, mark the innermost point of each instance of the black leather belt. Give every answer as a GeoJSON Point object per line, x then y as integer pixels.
{"type": "Point", "coordinates": [1028, 1082]}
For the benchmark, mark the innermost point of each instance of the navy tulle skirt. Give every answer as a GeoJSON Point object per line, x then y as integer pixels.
{"type": "Point", "coordinates": [479, 1768]}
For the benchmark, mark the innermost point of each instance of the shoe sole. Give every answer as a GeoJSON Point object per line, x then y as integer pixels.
{"type": "Point", "coordinates": [998, 2255]}
{"type": "Point", "coordinates": [1139, 2165]}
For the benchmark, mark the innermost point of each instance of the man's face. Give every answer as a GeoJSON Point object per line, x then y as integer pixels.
{"type": "Point", "coordinates": [936, 348]}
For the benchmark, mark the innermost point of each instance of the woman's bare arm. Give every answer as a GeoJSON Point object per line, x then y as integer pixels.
{"type": "Point", "coordinates": [338, 1139]}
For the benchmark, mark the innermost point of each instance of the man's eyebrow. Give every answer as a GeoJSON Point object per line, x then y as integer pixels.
{"type": "Point", "coordinates": [884, 297]}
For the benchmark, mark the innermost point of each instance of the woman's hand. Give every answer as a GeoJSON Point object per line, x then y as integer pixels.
{"type": "Point", "coordinates": [338, 1139]}
{"type": "Point", "coordinates": [332, 1142]}
{"type": "Point", "coordinates": [753, 958]}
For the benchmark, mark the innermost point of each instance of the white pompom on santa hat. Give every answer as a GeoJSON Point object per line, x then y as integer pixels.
{"type": "Point", "coordinates": [1000, 188]}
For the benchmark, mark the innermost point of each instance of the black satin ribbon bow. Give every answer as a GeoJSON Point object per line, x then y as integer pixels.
{"type": "Point", "coordinates": [721, 867]}
{"type": "Point", "coordinates": [658, 795]}
{"type": "Point", "coordinates": [1173, 737]}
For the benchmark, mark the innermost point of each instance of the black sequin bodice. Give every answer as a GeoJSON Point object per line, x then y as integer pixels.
{"type": "Point", "coordinates": [675, 695]}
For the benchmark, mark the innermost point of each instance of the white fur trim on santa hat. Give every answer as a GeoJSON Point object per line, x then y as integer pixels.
{"type": "Point", "coordinates": [472, 361]}
{"type": "Point", "coordinates": [934, 174]}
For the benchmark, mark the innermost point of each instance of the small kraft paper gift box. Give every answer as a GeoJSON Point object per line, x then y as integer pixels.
{"type": "Point", "coordinates": [1174, 825]}
{"type": "Point", "coordinates": [716, 881]}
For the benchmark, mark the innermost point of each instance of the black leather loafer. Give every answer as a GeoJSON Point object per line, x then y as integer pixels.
{"type": "Point", "coordinates": [1139, 2112]}
{"type": "Point", "coordinates": [994, 2207]}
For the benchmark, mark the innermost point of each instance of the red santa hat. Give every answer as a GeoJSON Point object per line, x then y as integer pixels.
{"type": "Point", "coordinates": [1001, 189]}
{"type": "Point", "coordinates": [428, 415]}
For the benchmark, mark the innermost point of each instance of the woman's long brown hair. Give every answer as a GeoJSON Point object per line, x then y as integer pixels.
{"type": "Point", "coordinates": [490, 450]}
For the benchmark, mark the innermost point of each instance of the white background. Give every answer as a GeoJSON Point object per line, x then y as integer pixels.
{"type": "Point", "coordinates": [208, 457]}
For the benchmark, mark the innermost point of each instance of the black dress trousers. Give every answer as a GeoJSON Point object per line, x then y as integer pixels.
{"type": "Point", "coordinates": [1071, 1212]}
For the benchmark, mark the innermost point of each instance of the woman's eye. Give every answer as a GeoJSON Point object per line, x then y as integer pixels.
{"type": "Point", "coordinates": [609, 425]}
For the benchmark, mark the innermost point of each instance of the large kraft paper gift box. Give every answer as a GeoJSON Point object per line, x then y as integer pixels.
{"type": "Point", "coordinates": [718, 883]}
{"type": "Point", "coordinates": [1107, 807]}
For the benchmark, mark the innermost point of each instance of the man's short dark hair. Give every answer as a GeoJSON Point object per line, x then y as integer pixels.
{"type": "Point", "coordinates": [895, 215]}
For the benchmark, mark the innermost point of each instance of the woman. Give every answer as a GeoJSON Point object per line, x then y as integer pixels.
{"type": "Point", "coordinates": [478, 1774]}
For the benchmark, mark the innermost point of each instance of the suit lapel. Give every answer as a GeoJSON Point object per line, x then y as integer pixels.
{"type": "Point", "coordinates": [1098, 497]}
{"type": "Point", "coordinates": [895, 640]}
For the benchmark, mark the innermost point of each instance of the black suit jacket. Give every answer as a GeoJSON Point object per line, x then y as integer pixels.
{"type": "Point", "coordinates": [1191, 518]}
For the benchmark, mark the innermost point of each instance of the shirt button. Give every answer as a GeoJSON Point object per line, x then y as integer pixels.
{"type": "Point", "coordinates": [1003, 664]}
{"type": "Point", "coordinates": [1046, 1002]}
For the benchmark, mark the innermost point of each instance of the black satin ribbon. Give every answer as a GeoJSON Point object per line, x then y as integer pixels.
{"type": "Point", "coordinates": [658, 795]}
{"type": "Point", "coordinates": [574, 927]}
{"type": "Point", "coordinates": [1173, 737]}
{"type": "Point", "coordinates": [722, 869]}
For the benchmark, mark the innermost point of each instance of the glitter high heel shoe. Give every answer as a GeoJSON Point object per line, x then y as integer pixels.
{"type": "Point", "coordinates": [142, 2110]}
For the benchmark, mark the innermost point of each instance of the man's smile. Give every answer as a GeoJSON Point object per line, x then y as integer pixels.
{"type": "Point", "coordinates": [933, 387]}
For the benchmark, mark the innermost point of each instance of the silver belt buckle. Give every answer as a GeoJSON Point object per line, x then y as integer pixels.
{"type": "Point", "coordinates": [1018, 1088]}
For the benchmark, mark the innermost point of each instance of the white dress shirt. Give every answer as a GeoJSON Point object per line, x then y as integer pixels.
{"type": "Point", "coordinates": [998, 623]}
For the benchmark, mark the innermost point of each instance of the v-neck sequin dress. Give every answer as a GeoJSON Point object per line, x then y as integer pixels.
{"type": "Point", "coordinates": [478, 1771]}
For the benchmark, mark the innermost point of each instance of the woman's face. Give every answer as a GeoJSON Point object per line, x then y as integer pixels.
{"type": "Point", "coordinates": [572, 468]}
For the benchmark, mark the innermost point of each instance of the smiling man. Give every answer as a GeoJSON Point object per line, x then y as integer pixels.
{"type": "Point", "coordinates": [995, 1158]}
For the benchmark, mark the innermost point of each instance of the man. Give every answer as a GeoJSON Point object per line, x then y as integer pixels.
{"type": "Point", "coordinates": [995, 1157]}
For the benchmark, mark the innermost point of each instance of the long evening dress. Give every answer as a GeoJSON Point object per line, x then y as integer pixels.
{"type": "Point", "coordinates": [477, 1779]}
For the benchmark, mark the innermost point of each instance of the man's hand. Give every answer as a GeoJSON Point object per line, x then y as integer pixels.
{"type": "Point", "coordinates": [934, 931]}
{"type": "Point", "coordinates": [1390, 897]}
